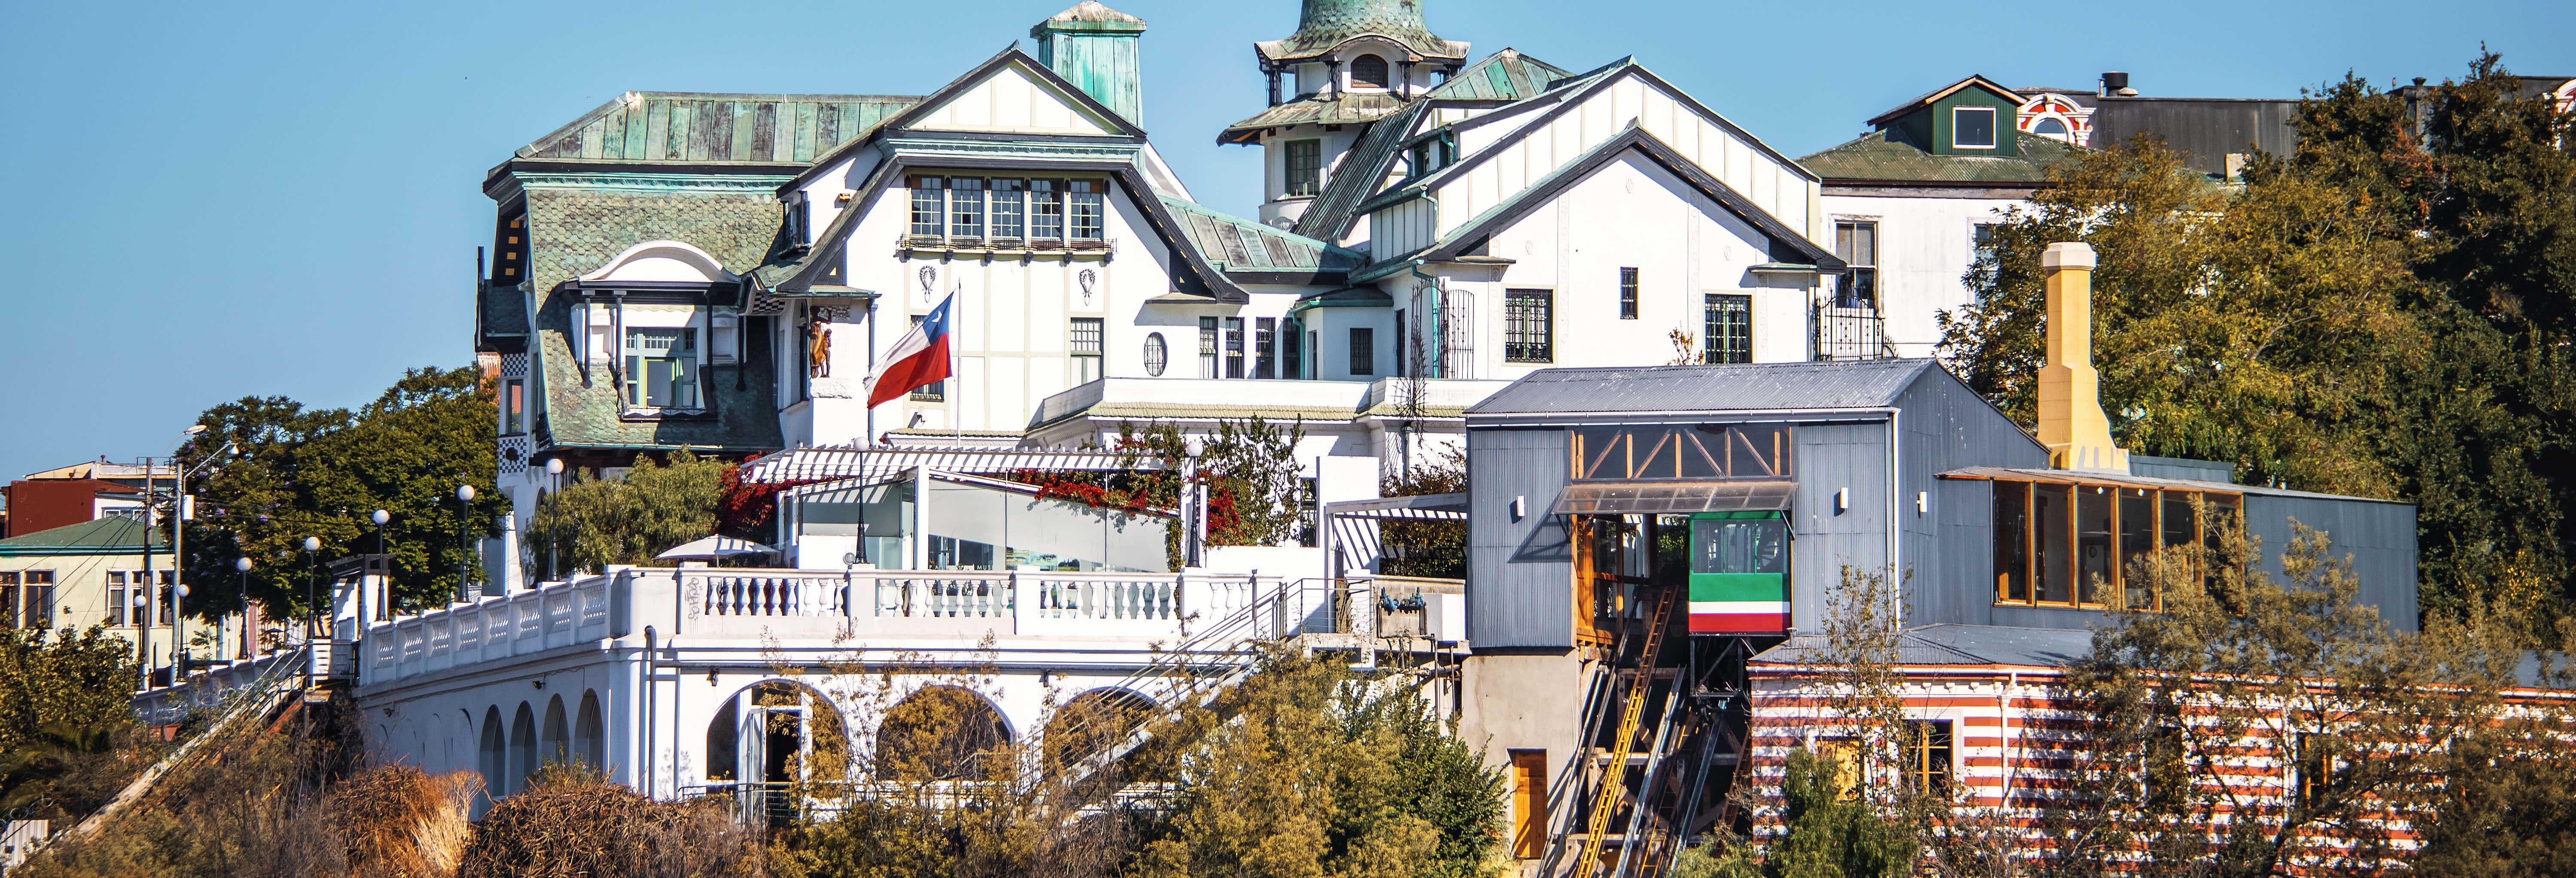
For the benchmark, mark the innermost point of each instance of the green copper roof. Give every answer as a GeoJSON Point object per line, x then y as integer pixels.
{"type": "Point", "coordinates": [1873, 157]}
{"type": "Point", "coordinates": [1347, 109]}
{"type": "Point", "coordinates": [1324, 25]}
{"type": "Point", "coordinates": [1235, 244]}
{"type": "Point", "coordinates": [701, 128]}
{"type": "Point", "coordinates": [1507, 75]}
{"type": "Point", "coordinates": [572, 231]}
{"type": "Point", "coordinates": [113, 535]}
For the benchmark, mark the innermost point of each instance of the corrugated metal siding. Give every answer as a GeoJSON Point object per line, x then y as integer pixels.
{"type": "Point", "coordinates": [1520, 574]}
{"type": "Point", "coordinates": [1833, 457]}
{"type": "Point", "coordinates": [2379, 537]}
{"type": "Point", "coordinates": [1948, 547]}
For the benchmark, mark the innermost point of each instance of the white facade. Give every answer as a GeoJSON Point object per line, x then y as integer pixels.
{"type": "Point", "coordinates": [1926, 242]}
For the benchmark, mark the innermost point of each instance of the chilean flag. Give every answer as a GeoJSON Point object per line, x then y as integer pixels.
{"type": "Point", "coordinates": [918, 360]}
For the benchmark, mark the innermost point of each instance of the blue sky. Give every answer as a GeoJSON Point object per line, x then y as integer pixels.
{"type": "Point", "coordinates": [206, 201]}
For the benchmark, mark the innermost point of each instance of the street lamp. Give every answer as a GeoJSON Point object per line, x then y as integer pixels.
{"type": "Point", "coordinates": [464, 541]}
{"type": "Point", "coordinates": [312, 579]}
{"type": "Point", "coordinates": [179, 633]}
{"type": "Point", "coordinates": [380, 517]}
{"type": "Point", "coordinates": [554, 553]}
{"type": "Point", "coordinates": [244, 650]}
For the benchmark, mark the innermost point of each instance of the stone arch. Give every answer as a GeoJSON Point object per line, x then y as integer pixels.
{"type": "Point", "coordinates": [523, 748]}
{"type": "Point", "coordinates": [939, 732]}
{"type": "Point", "coordinates": [1092, 721]}
{"type": "Point", "coordinates": [777, 731]}
{"type": "Point", "coordinates": [555, 743]}
{"type": "Point", "coordinates": [494, 761]}
{"type": "Point", "coordinates": [590, 733]}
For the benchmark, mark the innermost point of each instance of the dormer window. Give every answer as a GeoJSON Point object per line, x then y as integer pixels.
{"type": "Point", "coordinates": [1368, 71]}
{"type": "Point", "coordinates": [1972, 127]}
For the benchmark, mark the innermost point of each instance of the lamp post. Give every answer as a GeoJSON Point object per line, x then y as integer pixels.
{"type": "Point", "coordinates": [464, 540]}
{"type": "Point", "coordinates": [380, 517]}
{"type": "Point", "coordinates": [244, 650]}
{"type": "Point", "coordinates": [178, 633]}
{"type": "Point", "coordinates": [312, 579]}
{"type": "Point", "coordinates": [554, 552]}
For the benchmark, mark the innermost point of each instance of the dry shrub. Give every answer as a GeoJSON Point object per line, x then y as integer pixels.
{"type": "Point", "coordinates": [399, 822]}
{"type": "Point", "coordinates": [574, 823]}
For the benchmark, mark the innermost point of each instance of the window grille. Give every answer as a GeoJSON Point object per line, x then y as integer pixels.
{"type": "Point", "coordinates": [929, 207]}
{"type": "Point", "coordinates": [1727, 333]}
{"type": "Point", "coordinates": [1529, 326]}
{"type": "Point", "coordinates": [1627, 294]}
{"type": "Point", "coordinates": [1305, 167]}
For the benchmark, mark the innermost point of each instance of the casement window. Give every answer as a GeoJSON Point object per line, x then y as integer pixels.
{"type": "Point", "coordinates": [662, 368]}
{"type": "Point", "coordinates": [1857, 244]}
{"type": "Point", "coordinates": [1981, 255]}
{"type": "Point", "coordinates": [1265, 347]}
{"type": "Point", "coordinates": [118, 602]}
{"type": "Point", "coordinates": [1627, 294]}
{"type": "Point", "coordinates": [929, 207]}
{"type": "Point", "coordinates": [1368, 71]}
{"type": "Point", "coordinates": [1972, 127]}
{"type": "Point", "coordinates": [27, 598]}
{"type": "Point", "coordinates": [514, 406]}
{"type": "Point", "coordinates": [794, 221]}
{"type": "Point", "coordinates": [936, 391]}
{"type": "Point", "coordinates": [1010, 210]}
{"type": "Point", "coordinates": [966, 209]}
{"type": "Point", "coordinates": [1292, 360]}
{"type": "Point", "coordinates": [1085, 209]}
{"type": "Point", "coordinates": [2075, 544]}
{"type": "Point", "coordinates": [1305, 166]}
{"type": "Point", "coordinates": [1157, 355]}
{"type": "Point", "coordinates": [1529, 326]}
{"type": "Point", "coordinates": [1726, 334]}
{"type": "Point", "coordinates": [1046, 210]}
{"type": "Point", "coordinates": [1926, 753]}
{"type": "Point", "coordinates": [1431, 155]}
{"type": "Point", "coordinates": [1088, 345]}
{"type": "Point", "coordinates": [1207, 347]}
{"type": "Point", "coordinates": [1233, 347]}
{"type": "Point", "coordinates": [1363, 351]}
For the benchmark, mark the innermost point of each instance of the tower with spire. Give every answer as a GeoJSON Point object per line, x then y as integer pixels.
{"type": "Point", "coordinates": [1350, 63]}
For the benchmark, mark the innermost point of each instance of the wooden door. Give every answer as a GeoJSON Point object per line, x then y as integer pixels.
{"type": "Point", "coordinates": [1529, 804]}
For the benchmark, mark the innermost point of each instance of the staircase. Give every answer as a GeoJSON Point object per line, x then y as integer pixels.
{"type": "Point", "coordinates": [1695, 739]}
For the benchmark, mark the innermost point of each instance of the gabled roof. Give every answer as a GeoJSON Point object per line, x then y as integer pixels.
{"type": "Point", "coordinates": [1253, 252]}
{"type": "Point", "coordinates": [1873, 157]}
{"type": "Point", "coordinates": [1324, 25]}
{"type": "Point", "coordinates": [1465, 238]}
{"type": "Point", "coordinates": [1998, 88]}
{"type": "Point", "coordinates": [1507, 75]}
{"type": "Point", "coordinates": [112, 535]}
{"type": "Point", "coordinates": [1740, 387]}
{"type": "Point", "coordinates": [1005, 58]}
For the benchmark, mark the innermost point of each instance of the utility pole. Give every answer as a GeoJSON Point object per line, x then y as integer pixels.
{"type": "Point", "coordinates": [150, 605]}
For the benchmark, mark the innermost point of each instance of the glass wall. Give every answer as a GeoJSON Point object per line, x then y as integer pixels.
{"type": "Point", "coordinates": [989, 527]}
{"type": "Point", "coordinates": [2074, 545]}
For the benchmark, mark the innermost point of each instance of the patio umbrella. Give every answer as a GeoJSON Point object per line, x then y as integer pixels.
{"type": "Point", "coordinates": [715, 548]}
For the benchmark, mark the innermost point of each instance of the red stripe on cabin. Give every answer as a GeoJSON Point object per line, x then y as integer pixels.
{"type": "Point", "coordinates": [1738, 623]}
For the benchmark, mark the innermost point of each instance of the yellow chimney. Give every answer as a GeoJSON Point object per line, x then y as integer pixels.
{"type": "Point", "coordinates": [2071, 422]}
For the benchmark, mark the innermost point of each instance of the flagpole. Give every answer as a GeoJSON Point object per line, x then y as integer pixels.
{"type": "Point", "coordinates": [957, 405]}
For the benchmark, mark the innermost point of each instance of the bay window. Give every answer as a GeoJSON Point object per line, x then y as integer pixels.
{"type": "Point", "coordinates": [662, 368]}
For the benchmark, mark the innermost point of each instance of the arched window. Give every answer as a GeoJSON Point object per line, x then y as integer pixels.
{"type": "Point", "coordinates": [558, 735]}
{"type": "Point", "coordinates": [2051, 128]}
{"type": "Point", "coordinates": [1157, 355]}
{"type": "Point", "coordinates": [523, 748]}
{"type": "Point", "coordinates": [938, 733]}
{"type": "Point", "coordinates": [1368, 71]}
{"type": "Point", "coordinates": [590, 739]}
{"type": "Point", "coordinates": [776, 732]}
{"type": "Point", "coordinates": [1092, 722]}
{"type": "Point", "coordinates": [494, 753]}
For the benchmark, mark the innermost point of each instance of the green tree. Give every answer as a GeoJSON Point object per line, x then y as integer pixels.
{"type": "Point", "coordinates": [303, 472]}
{"type": "Point", "coordinates": [593, 523]}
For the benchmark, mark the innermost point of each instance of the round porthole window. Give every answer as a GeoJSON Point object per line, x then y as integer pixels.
{"type": "Point", "coordinates": [1155, 354]}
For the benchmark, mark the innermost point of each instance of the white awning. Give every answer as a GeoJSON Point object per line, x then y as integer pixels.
{"type": "Point", "coordinates": [711, 548]}
{"type": "Point", "coordinates": [1423, 507]}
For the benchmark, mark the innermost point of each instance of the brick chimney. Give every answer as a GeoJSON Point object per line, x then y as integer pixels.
{"type": "Point", "coordinates": [2071, 422]}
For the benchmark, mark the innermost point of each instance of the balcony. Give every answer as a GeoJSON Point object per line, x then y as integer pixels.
{"type": "Point", "coordinates": [1851, 333]}
{"type": "Point", "coordinates": [801, 610]}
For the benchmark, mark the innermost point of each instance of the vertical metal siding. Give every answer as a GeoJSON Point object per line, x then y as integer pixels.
{"type": "Point", "coordinates": [1947, 551]}
{"type": "Point", "coordinates": [1520, 574]}
{"type": "Point", "coordinates": [2379, 538]}
{"type": "Point", "coordinates": [1831, 458]}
